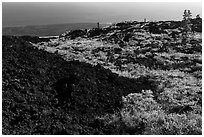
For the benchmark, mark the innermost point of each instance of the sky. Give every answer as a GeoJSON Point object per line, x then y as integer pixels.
{"type": "Point", "coordinates": [38, 13]}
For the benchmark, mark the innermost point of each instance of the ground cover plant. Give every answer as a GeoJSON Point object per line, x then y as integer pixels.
{"type": "Point", "coordinates": [128, 78]}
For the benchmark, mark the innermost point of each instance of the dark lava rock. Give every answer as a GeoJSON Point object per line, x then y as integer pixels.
{"type": "Point", "coordinates": [44, 94]}
{"type": "Point", "coordinates": [75, 33]}
{"type": "Point", "coordinates": [95, 32]}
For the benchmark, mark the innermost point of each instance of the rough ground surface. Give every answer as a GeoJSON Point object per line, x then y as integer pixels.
{"type": "Point", "coordinates": [33, 86]}
{"type": "Point", "coordinates": [128, 78]}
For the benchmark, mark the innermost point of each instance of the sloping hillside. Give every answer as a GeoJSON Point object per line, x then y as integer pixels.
{"type": "Point", "coordinates": [127, 78]}
{"type": "Point", "coordinates": [43, 94]}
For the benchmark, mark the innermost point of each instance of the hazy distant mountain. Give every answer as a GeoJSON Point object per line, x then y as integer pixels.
{"type": "Point", "coordinates": [47, 30]}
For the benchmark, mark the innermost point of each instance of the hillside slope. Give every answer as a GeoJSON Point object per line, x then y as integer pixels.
{"type": "Point", "coordinates": [43, 94]}
{"type": "Point", "coordinates": [155, 51]}
{"type": "Point", "coordinates": [129, 78]}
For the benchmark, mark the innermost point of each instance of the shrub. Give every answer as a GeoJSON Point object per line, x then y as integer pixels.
{"type": "Point", "coordinates": [141, 114]}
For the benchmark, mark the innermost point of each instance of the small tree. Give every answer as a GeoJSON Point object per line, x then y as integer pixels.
{"type": "Point", "coordinates": [198, 16]}
{"type": "Point", "coordinates": [186, 26]}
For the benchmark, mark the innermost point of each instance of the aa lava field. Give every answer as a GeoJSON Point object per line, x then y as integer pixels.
{"type": "Point", "coordinates": [129, 78]}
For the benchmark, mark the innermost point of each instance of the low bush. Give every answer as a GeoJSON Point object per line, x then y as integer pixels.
{"type": "Point", "coordinates": [141, 114]}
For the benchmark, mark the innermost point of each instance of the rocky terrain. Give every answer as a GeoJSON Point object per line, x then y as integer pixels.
{"type": "Point", "coordinates": [128, 78]}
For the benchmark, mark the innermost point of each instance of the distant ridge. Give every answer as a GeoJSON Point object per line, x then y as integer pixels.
{"type": "Point", "coordinates": [47, 30]}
